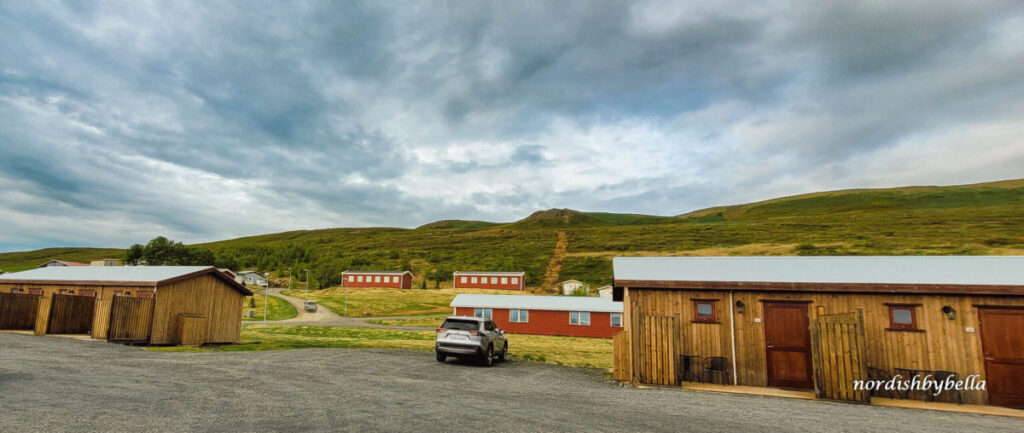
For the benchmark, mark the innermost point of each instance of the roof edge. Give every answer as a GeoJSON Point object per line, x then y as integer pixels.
{"type": "Point", "coordinates": [767, 286]}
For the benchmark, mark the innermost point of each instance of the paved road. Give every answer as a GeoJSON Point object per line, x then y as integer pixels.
{"type": "Point", "coordinates": [55, 384]}
{"type": "Point", "coordinates": [325, 317]}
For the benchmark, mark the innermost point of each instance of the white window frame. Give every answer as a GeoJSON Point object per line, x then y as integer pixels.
{"type": "Point", "coordinates": [394, 279]}
{"type": "Point", "coordinates": [515, 280]}
{"type": "Point", "coordinates": [473, 280]}
{"type": "Point", "coordinates": [351, 278]}
{"type": "Point", "coordinates": [376, 278]}
{"type": "Point", "coordinates": [611, 320]}
{"type": "Point", "coordinates": [518, 316]}
{"type": "Point", "coordinates": [486, 313]}
{"type": "Point", "coordinates": [494, 280]}
{"type": "Point", "coordinates": [360, 278]}
{"type": "Point", "coordinates": [462, 280]}
{"type": "Point", "coordinates": [578, 316]}
{"type": "Point", "coordinates": [504, 280]}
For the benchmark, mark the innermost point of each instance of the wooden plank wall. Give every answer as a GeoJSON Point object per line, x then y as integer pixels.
{"type": "Point", "coordinates": [621, 368]}
{"type": "Point", "coordinates": [205, 295]}
{"type": "Point", "coordinates": [656, 358]}
{"type": "Point", "coordinates": [131, 319]}
{"type": "Point", "coordinates": [943, 345]}
{"type": "Point", "coordinates": [104, 295]}
{"type": "Point", "coordinates": [839, 353]}
{"type": "Point", "coordinates": [18, 311]}
{"type": "Point", "coordinates": [191, 329]}
{"type": "Point", "coordinates": [71, 314]}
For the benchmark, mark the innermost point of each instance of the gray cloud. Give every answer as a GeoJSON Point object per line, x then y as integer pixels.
{"type": "Point", "coordinates": [204, 121]}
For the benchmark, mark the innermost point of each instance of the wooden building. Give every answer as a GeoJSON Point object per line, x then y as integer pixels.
{"type": "Point", "coordinates": [822, 322]}
{"type": "Point", "coordinates": [392, 279]}
{"type": "Point", "coordinates": [144, 304]}
{"type": "Point", "coordinates": [489, 280]}
{"type": "Point", "coordinates": [572, 316]}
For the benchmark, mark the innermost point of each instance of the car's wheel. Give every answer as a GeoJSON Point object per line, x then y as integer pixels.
{"type": "Point", "coordinates": [488, 359]}
{"type": "Point", "coordinates": [504, 353]}
{"type": "Point", "coordinates": [441, 357]}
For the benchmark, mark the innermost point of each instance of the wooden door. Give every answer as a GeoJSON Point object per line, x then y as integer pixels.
{"type": "Point", "coordinates": [70, 314]}
{"type": "Point", "coordinates": [1003, 347]}
{"type": "Point", "coordinates": [788, 345]}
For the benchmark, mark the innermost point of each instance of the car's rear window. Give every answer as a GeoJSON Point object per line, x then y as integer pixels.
{"type": "Point", "coordinates": [461, 325]}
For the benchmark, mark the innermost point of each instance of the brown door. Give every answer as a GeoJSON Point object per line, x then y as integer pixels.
{"type": "Point", "coordinates": [1003, 346]}
{"type": "Point", "coordinates": [788, 345]}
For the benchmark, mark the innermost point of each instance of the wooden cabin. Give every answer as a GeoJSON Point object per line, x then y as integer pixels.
{"type": "Point", "coordinates": [819, 323]}
{"type": "Point", "coordinates": [139, 304]}
{"type": "Point", "coordinates": [489, 280]}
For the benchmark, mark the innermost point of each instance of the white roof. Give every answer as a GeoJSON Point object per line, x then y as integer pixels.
{"type": "Point", "coordinates": [950, 270]}
{"type": "Point", "coordinates": [143, 274]}
{"type": "Point", "coordinates": [528, 302]}
{"type": "Point", "coordinates": [488, 273]}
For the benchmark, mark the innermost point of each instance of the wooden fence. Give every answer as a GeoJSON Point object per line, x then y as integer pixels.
{"type": "Point", "coordinates": [70, 314]}
{"type": "Point", "coordinates": [18, 311]}
{"type": "Point", "coordinates": [131, 319]}
{"type": "Point", "coordinates": [656, 349]}
{"type": "Point", "coordinates": [838, 350]}
{"type": "Point", "coordinates": [621, 370]}
{"type": "Point", "coordinates": [191, 329]}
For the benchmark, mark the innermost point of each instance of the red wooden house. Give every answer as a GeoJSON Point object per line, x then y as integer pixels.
{"type": "Point", "coordinates": [489, 280]}
{"type": "Point", "coordinates": [573, 316]}
{"type": "Point", "coordinates": [393, 279]}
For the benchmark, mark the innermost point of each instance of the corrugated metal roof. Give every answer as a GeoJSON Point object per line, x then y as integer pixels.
{"type": "Point", "coordinates": [527, 302]}
{"type": "Point", "coordinates": [511, 274]}
{"type": "Point", "coordinates": [951, 270]}
{"type": "Point", "coordinates": [142, 274]}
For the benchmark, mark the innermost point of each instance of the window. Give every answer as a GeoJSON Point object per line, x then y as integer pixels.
{"type": "Point", "coordinates": [482, 312]}
{"type": "Point", "coordinates": [504, 280]}
{"type": "Point", "coordinates": [376, 279]}
{"type": "Point", "coordinates": [462, 280]}
{"type": "Point", "coordinates": [903, 317]}
{"type": "Point", "coordinates": [519, 316]}
{"type": "Point", "coordinates": [88, 292]}
{"type": "Point", "coordinates": [351, 278]}
{"type": "Point", "coordinates": [394, 279]}
{"type": "Point", "coordinates": [17, 290]}
{"type": "Point", "coordinates": [360, 278]}
{"type": "Point", "coordinates": [494, 280]}
{"type": "Point", "coordinates": [35, 291]}
{"type": "Point", "coordinates": [515, 280]}
{"type": "Point", "coordinates": [581, 318]}
{"type": "Point", "coordinates": [704, 310]}
{"type": "Point", "coordinates": [474, 280]}
{"type": "Point", "coordinates": [616, 320]}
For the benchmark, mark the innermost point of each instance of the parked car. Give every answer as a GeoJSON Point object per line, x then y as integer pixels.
{"type": "Point", "coordinates": [471, 337]}
{"type": "Point", "coordinates": [309, 306]}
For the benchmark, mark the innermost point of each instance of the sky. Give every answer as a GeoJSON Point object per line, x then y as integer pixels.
{"type": "Point", "coordinates": [202, 121]}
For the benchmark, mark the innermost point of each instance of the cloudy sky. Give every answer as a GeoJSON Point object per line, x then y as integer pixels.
{"type": "Point", "coordinates": [120, 121]}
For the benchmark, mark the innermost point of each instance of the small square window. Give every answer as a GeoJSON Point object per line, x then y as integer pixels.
{"type": "Point", "coordinates": [902, 317]}
{"type": "Point", "coordinates": [579, 318]}
{"type": "Point", "coordinates": [704, 310]}
{"type": "Point", "coordinates": [474, 280]}
{"type": "Point", "coordinates": [515, 280]}
{"type": "Point", "coordinates": [351, 278]}
{"type": "Point", "coordinates": [360, 278]}
{"type": "Point", "coordinates": [504, 280]}
{"type": "Point", "coordinates": [482, 312]}
{"type": "Point", "coordinates": [494, 280]}
{"type": "Point", "coordinates": [616, 320]}
{"type": "Point", "coordinates": [462, 280]}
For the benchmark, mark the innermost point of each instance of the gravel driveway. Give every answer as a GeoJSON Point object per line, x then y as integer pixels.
{"type": "Point", "coordinates": [56, 384]}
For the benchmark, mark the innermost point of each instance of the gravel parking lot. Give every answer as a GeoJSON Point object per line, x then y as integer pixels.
{"type": "Point", "coordinates": [56, 384]}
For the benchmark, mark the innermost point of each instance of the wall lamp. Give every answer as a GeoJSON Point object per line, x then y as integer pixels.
{"type": "Point", "coordinates": [739, 307]}
{"type": "Point", "coordinates": [949, 312]}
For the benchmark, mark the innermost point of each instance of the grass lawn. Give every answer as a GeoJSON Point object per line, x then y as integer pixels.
{"type": "Point", "coordinates": [277, 308]}
{"type": "Point", "coordinates": [571, 351]}
{"type": "Point", "coordinates": [380, 302]}
{"type": "Point", "coordinates": [426, 321]}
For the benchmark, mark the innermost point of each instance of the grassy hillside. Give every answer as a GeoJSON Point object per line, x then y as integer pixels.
{"type": "Point", "coordinates": [969, 219]}
{"type": "Point", "coordinates": [20, 261]}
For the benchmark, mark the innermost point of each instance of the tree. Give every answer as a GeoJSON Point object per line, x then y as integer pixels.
{"type": "Point", "coordinates": [161, 251]}
{"type": "Point", "coordinates": [133, 255]}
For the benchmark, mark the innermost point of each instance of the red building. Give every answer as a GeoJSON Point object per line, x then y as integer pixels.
{"type": "Point", "coordinates": [573, 316]}
{"type": "Point", "coordinates": [393, 279]}
{"type": "Point", "coordinates": [489, 280]}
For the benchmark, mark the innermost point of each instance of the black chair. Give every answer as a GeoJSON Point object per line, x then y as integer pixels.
{"type": "Point", "coordinates": [716, 364]}
{"type": "Point", "coordinates": [879, 374]}
{"type": "Point", "coordinates": [688, 364]}
{"type": "Point", "coordinates": [941, 376]}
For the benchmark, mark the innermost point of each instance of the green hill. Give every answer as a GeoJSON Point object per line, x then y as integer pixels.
{"type": "Point", "coordinates": [983, 218]}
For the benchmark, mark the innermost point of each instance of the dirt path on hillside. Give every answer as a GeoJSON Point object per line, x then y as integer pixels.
{"type": "Point", "coordinates": [555, 265]}
{"type": "Point", "coordinates": [325, 317]}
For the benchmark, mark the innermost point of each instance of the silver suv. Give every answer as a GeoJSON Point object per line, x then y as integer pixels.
{"type": "Point", "coordinates": [476, 337]}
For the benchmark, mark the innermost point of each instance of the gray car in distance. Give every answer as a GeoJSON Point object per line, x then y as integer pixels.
{"type": "Point", "coordinates": [471, 337]}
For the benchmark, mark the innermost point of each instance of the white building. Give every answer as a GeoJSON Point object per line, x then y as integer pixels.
{"type": "Point", "coordinates": [605, 291]}
{"type": "Point", "coordinates": [251, 277]}
{"type": "Point", "coordinates": [570, 286]}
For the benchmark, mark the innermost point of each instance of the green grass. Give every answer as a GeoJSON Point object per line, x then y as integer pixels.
{"type": "Point", "coordinates": [968, 219]}
{"type": "Point", "coordinates": [277, 308]}
{"type": "Point", "coordinates": [570, 351]}
{"type": "Point", "coordinates": [22, 261]}
{"type": "Point", "coordinates": [425, 322]}
{"type": "Point", "coordinates": [381, 302]}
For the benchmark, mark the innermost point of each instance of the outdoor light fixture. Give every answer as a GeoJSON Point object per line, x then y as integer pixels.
{"type": "Point", "coordinates": [739, 307]}
{"type": "Point", "coordinates": [949, 312]}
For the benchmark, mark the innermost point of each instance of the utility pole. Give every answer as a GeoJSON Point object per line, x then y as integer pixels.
{"type": "Point", "coordinates": [266, 297]}
{"type": "Point", "coordinates": [307, 283]}
{"type": "Point", "coordinates": [346, 294]}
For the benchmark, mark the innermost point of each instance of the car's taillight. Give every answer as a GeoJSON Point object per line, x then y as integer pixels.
{"type": "Point", "coordinates": [476, 332]}
{"type": "Point", "coordinates": [441, 329]}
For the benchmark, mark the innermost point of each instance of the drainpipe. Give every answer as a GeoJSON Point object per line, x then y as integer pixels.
{"type": "Point", "coordinates": [732, 334]}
